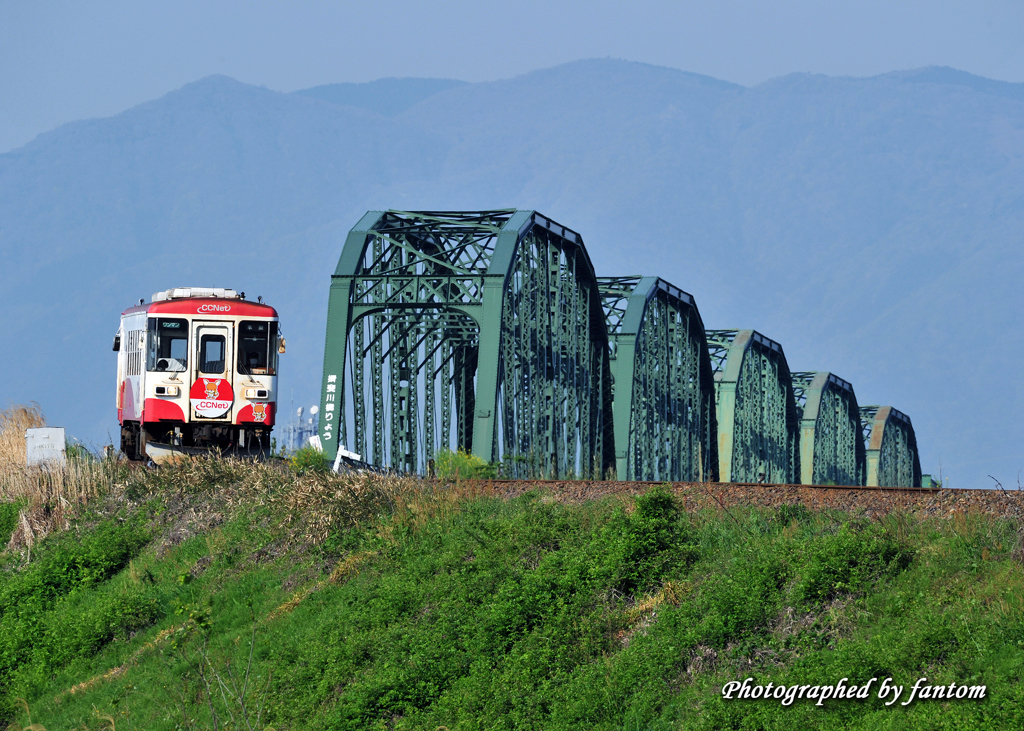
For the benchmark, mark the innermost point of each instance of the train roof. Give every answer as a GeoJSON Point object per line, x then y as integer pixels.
{"type": "Point", "coordinates": [204, 306]}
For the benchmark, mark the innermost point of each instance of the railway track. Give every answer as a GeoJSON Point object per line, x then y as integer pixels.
{"type": "Point", "coordinates": [871, 501]}
{"type": "Point", "coordinates": [762, 485]}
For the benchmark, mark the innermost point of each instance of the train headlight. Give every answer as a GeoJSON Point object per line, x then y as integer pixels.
{"type": "Point", "coordinates": [257, 393]}
{"type": "Point", "coordinates": [167, 391]}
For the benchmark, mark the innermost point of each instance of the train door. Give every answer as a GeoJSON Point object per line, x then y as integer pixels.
{"type": "Point", "coordinates": [211, 394]}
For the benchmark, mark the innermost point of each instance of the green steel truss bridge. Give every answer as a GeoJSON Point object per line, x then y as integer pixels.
{"type": "Point", "coordinates": [831, 443]}
{"type": "Point", "coordinates": [480, 331]}
{"type": "Point", "coordinates": [488, 331]}
{"type": "Point", "coordinates": [662, 380]}
{"type": "Point", "coordinates": [892, 459]}
{"type": "Point", "coordinates": [757, 422]}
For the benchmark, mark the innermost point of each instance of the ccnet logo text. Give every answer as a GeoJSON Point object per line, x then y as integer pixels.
{"type": "Point", "coordinates": [213, 405]}
{"type": "Point", "coordinates": [214, 308]}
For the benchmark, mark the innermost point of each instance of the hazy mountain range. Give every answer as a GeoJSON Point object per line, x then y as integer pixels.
{"type": "Point", "coordinates": [872, 226]}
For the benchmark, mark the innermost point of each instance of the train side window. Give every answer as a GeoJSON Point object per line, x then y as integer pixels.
{"type": "Point", "coordinates": [257, 347]}
{"type": "Point", "coordinates": [167, 345]}
{"type": "Point", "coordinates": [211, 354]}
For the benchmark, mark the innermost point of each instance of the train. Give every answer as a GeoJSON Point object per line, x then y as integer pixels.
{"type": "Point", "coordinates": [197, 370]}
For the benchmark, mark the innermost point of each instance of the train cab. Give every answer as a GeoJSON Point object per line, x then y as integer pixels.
{"type": "Point", "coordinates": [197, 370]}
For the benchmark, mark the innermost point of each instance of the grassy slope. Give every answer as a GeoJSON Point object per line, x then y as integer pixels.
{"type": "Point", "coordinates": [392, 606]}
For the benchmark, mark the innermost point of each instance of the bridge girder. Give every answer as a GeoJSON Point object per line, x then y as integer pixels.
{"type": "Point", "coordinates": [755, 408]}
{"type": "Point", "coordinates": [663, 387]}
{"type": "Point", "coordinates": [480, 330]}
{"type": "Point", "coordinates": [891, 448]}
{"type": "Point", "coordinates": [831, 445]}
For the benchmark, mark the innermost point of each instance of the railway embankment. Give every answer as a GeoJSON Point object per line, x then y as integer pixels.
{"type": "Point", "coordinates": [215, 593]}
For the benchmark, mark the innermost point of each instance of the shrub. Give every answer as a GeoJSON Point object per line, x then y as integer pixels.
{"type": "Point", "coordinates": [308, 459]}
{"type": "Point", "coordinates": [77, 451]}
{"type": "Point", "coordinates": [653, 540]}
{"type": "Point", "coordinates": [786, 514]}
{"type": "Point", "coordinates": [449, 465]}
{"type": "Point", "coordinates": [848, 561]}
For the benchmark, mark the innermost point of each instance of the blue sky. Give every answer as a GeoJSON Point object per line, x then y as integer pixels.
{"type": "Point", "coordinates": [64, 61]}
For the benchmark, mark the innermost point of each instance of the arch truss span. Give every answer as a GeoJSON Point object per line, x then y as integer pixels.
{"type": "Point", "coordinates": [831, 445]}
{"type": "Point", "coordinates": [755, 408]}
{"type": "Point", "coordinates": [478, 330]}
{"type": "Point", "coordinates": [662, 382]}
{"type": "Point", "coordinates": [891, 447]}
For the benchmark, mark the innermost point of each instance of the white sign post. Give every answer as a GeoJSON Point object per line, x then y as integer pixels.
{"type": "Point", "coordinates": [44, 446]}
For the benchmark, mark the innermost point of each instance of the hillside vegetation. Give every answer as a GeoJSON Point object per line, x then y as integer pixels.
{"type": "Point", "coordinates": [221, 595]}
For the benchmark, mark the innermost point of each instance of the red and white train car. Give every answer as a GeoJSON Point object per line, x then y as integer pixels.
{"type": "Point", "coordinates": [197, 369]}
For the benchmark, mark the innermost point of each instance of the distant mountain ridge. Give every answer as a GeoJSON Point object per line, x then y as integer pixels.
{"type": "Point", "coordinates": [384, 96]}
{"type": "Point", "coordinates": [952, 77]}
{"type": "Point", "coordinates": [872, 226]}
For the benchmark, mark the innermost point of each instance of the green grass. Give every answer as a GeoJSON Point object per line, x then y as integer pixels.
{"type": "Point", "coordinates": [8, 519]}
{"type": "Point", "coordinates": [424, 609]}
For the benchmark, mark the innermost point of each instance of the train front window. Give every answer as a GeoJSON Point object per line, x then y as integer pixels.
{"type": "Point", "coordinates": [257, 348]}
{"type": "Point", "coordinates": [167, 345]}
{"type": "Point", "coordinates": [211, 354]}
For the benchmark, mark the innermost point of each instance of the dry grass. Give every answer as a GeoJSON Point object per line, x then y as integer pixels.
{"type": "Point", "coordinates": [640, 616]}
{"type": "Point", "coordinates": [14, 420]}
{"type": "Point", "coordinates": [310, 506]}
{"type": "Point", "coordinates": [50, 495]}
{"type": "Point", "coordinates": [201, 492]}
{"type": "Point", "coordinates": [323, 503]}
